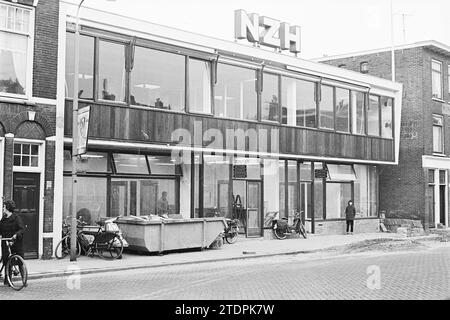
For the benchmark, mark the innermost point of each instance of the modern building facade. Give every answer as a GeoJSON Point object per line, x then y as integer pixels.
{"type": "Point", "coordinates": [418, 187]}
{"type": "Point", "coordinates": [222, 128]}
{"type": "Point", "coordinates": [28, 125]}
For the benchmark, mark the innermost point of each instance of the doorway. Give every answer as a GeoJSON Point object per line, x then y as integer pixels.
{"type": "Point", "coordinates": [247, 206]}
{"type": "Point", "coordinates": [26, 197]}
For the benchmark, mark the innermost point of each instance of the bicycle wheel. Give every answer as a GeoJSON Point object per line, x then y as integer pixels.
{"type": "Point", "coordinates": [231, 237]}
{"type": "Point", "coordinates": [303, 231]}
{"type": "Point", "coordinates": [16, 272]}
{"type": "Point", "coordinates": [279, 233]}
{"type": "Point", "coordinates": [63, 248]}
{"type": "Point", "coordinates": [111, 249]}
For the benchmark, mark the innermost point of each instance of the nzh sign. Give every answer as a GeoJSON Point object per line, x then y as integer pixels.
{"type": "Point", "coordinates": [266, 31]}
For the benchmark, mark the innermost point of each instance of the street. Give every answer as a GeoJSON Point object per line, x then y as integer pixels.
{"type": "Point", "coordinates": [421, 274]}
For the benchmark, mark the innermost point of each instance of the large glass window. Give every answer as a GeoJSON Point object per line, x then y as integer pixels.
{"type": "Point", "coordinates": [216, 186]}
{"type": "Point", "coordinates": [199, 86]}
{"type": "Point", "coordinates": [318, 192]}
{"type": "Point", "coordinates": [281, 180]}
{"type": "Point", "coordinates": [438, 122]}
{"type": "Point", "coordinates": [235, 92]}
{"type": "Point", "coordinates": [86, 66]}
{"type": "Point", "coordinates": [161, 165]}
{"type": "Point", "coordinates": [130, 163]}
{"type": "Point", "coordinates": [111, 70]}
{"type": "Point", "coordinates": [359, 112]}
{"type": "Point", "coordinates": [338, 195]}
{"type": "Point", "coordinates": [272, 180]}
{"type": "Point", "coordinates": [14, 46]}
{"type": "Point", "coordinates": [299, 103]}
{"type": "Point", "coordinates": [386, 117]}
{"type": "Point", "coordinates": [88, 162]}
{"type": "Point", "coordinates": [342, 110]}
{"type": "Point", "coordinates": [143, 197]}
{"type": "Point", "coordinates": [157, 79]}
{"type": "Point", "coordinates": [365, 191]}
{"type": "Point", "coordinates": [91, 198]}
{"type": "Point", "coordinates": [326, 110]}
{"type": "Point", "coordinates": [436, 79]}
{"type": "Point", "coordinates": [373, 116]}
{"type": "Point", "coordinates": [270, 104]}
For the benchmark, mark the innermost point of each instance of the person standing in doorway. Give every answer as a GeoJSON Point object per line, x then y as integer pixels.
{"type": "Point", "coordinates": [350, 213]}
{"type": "Point", "coordinates": [11, 226]}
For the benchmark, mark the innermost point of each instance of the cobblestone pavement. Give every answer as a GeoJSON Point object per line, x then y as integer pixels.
{"type": "Point", "coordinates": [405, 275]}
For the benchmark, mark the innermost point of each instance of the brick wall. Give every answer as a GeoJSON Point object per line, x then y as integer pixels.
{"type": "Point", "coordinates": [45, 49]}
{"type": "Point", "coordinates": [339, 226]}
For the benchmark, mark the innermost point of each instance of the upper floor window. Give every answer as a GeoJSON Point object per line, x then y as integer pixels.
{"type": "Point", "coordinates": [386, 117]}
{"type": "Point", "coordinates": [158, 80]}
{"type": "Point", "coordinates": [15, 49]}
{"type": "Point", "coordinates": [270, 102]}
{"type": "Point", "coordinates": [235, 92]}
{"type": "Point", "coordinates": [299, 102]}
{"type": "Point", "coordinates": [342, 110]}
{"type": "Point", "coordinates": [373, 116]}
{"type": "Point", "coordinates": [359, 112]}
{"type": "Point", "coordinates": [86, 66]}
{"type": "Point", "coordinates": [326, 110]}
{"type": "Point", "coordinates": [199, 86]}
{"type": "Point", "coordinates": [436, 81]}
{"type": "Point", "coordinates": [438, 143]}
{"type": "Point", "coordinates": [111, 71]}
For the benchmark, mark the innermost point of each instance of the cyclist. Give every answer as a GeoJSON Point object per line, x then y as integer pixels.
{"type": "Point", "coordinates": [11, 226]}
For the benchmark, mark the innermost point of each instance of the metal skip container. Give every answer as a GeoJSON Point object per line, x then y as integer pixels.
{"type": "Point", "coordinates": [170, 234]}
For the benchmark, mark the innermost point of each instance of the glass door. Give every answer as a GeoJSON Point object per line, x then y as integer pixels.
{"type": "Point", "coordinates": [254, 209]}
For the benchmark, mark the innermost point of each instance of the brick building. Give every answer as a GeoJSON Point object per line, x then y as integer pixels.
{"type": "Point", "coordinates": [418, 187]}
{"type": "Point", "coordinates": [28, 76]}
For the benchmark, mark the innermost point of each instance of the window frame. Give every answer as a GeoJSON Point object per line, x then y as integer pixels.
{"type": "Point", "coordinates": [441, 79]}
{"type": "Point", "coordinates": [349, 127]}
{"type": "Point", "coordinates": [260, 93]}
{"type": "Point", "coordinates": [187, 85]}
{"type": "Point", "coordinates": [379, 116]}
{"type": "Point", "coordinates": [333, 107]}
{"type": "Point", "coordinates": [441, 152]}
{"type": "Point", "coordinates": [30, 52]}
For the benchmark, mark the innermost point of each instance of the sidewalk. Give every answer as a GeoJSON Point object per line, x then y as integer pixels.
{"type": "Point", "coordinates": [242, 249]}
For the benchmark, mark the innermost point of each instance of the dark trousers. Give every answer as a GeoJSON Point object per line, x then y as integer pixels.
{"type": "Point", "coordinates": [350, 225]}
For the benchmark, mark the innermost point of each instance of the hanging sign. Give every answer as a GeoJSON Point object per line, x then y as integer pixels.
{"type": "Point", "coordinates": [266, 31]}
{"type": "Point", "coordinates": [83, 129]}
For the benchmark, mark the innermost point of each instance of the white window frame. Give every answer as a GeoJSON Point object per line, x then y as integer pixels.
{"type": "Point", "coordinates": [30, 51]}
{"type": "Point", "coordinates": [442, 134]}
{"type": "Point", "coordinates": [440, 77]}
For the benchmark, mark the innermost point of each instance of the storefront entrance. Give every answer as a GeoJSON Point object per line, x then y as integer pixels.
{"type": "Point", "coordinates": [247, 206]}
{"type": "Point", "coordinates": [26, 197]}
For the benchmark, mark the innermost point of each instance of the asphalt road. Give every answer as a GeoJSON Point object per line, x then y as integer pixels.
{"type": "Point", "coordinates": [402, 275]}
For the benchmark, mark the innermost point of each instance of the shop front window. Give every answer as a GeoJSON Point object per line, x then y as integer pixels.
{"type": "Point", "coordinates": [318, 191]}
{"type": "Point", "coordinates": [86, 66]}
{"type": "Point", "coordinates": [157, 79]}
{"type": "Point", "coordinates": [270, 102]}
{"type": "Point", "coordinates": [143, 197]}
{"type": "Point", "coordinates": [326, 110]}
{"type": "Point", "coordinates": [216, 186]}
{"type": "Point", "coordinates": [199, 86]}
{"type": "Point", "coordinates": [235, 92]}
{"type": "Point", "coordinates": [282, 179]}
{"type": "Point", "coordinates": [88, 162]}
{"type": "Point", "coordinates": [111, 71]}
{"type": "Point", "coordinates": [272, 180]}
{"type": "Point", "coordinates": [91, 198]}
{"type": "Point", "coordinates": [130, 163]}
{"type": "Point", "coordinates": [338, 195]}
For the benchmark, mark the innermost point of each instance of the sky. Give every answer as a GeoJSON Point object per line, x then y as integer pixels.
{"type": "Point", "coordinates": [328, 27]}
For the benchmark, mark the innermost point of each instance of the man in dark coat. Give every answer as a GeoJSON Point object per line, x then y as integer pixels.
{"type": "Point", "coordinates": [11, 226]}
{"type": "Point", "coordinates": [350, 213]}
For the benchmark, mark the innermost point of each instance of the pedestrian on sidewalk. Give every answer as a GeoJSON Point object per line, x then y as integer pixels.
{"type": "Point", "coordinates": [11, 226]}
{"type": "Point", "coordinates": [350, 213]}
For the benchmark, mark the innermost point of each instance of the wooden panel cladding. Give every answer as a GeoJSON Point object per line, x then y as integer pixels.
{"type": "Point", "coordinates": [155, 126]}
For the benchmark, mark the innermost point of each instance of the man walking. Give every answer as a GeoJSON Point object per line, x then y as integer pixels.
{"type": "Point", "coordinates": [350, 213]}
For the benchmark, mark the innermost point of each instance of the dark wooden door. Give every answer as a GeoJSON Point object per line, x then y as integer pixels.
{"type": "Point", "coordinates": [26, 197]}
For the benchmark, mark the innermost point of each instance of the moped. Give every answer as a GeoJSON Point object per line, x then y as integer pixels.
{"type": "Point", "coordinates": [281, 227]}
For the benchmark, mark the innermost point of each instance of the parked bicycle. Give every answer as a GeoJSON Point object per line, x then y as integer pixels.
{"type": "Point", "coordinates": [231, 231]}
{"type": "Point", "coordinates": [107, 242]}
{"type": "Point", "coordinates": [16, 269]}
{"type": "Point", "coordinates": [281, 227]}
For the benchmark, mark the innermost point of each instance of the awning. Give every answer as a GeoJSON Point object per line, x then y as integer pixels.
{"type": "Point", "coordinates": [341, 172]}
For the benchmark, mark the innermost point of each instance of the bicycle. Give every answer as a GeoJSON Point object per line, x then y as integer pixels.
{"type": "Point", "coordinates": [281, 228]}
{"type": "Point", "coordinates": [63, 247]}
{"type": "Point", "coordinates": [106, 244]}
{"type": "Point", "coordinates": [16, 269]}
{"type": "Point", "coordinates": [231, 231]}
